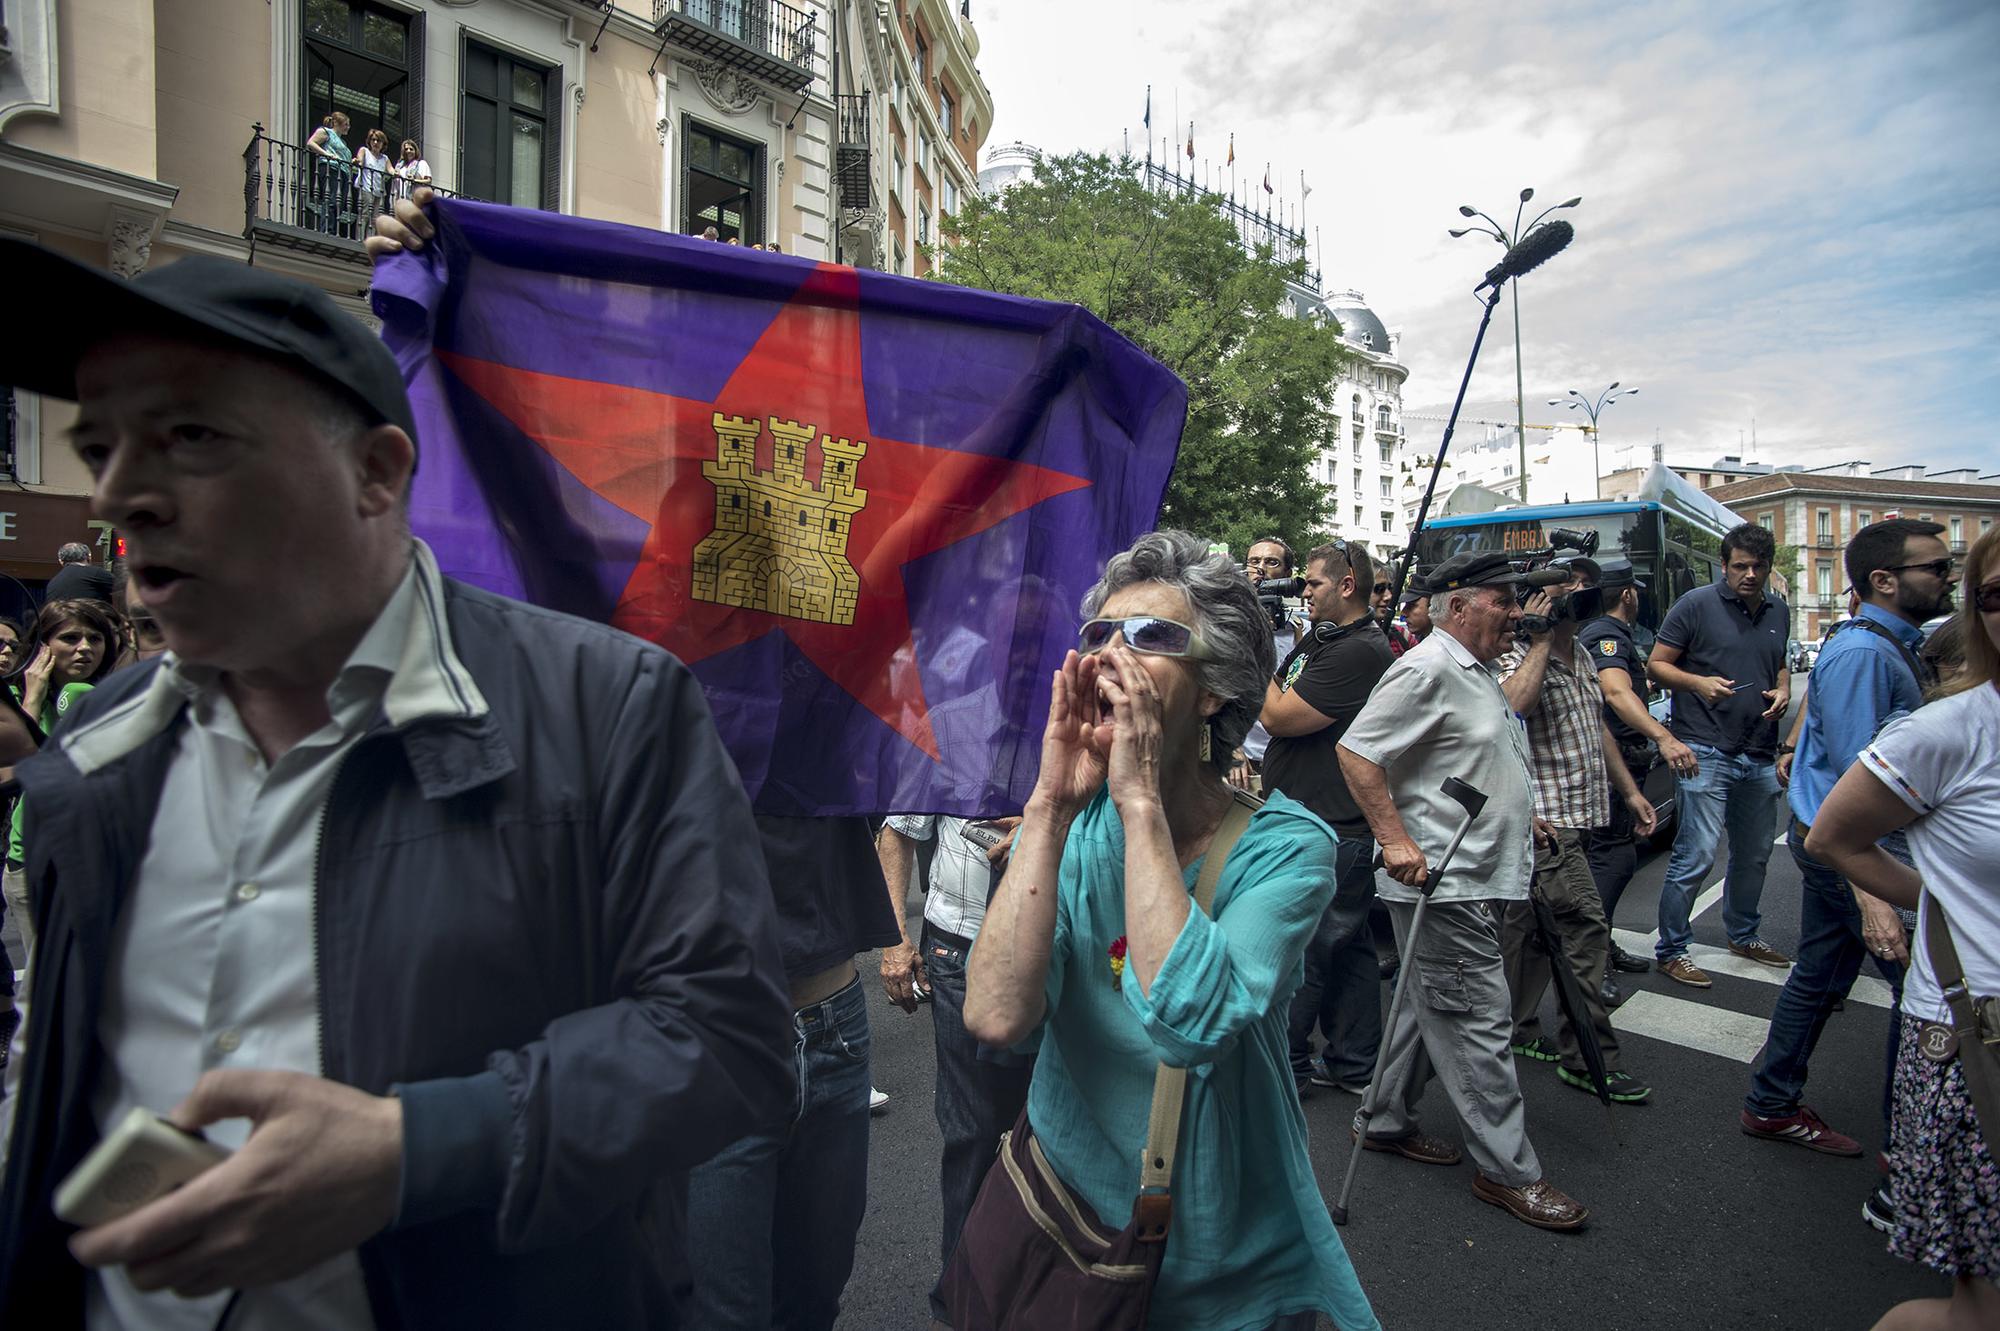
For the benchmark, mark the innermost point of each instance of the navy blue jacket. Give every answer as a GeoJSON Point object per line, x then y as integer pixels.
{"type": "Point", "coordinates": [547, 926]}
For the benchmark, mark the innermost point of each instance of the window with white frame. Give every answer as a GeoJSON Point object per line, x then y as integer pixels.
{"type": "Point", "coordinates": [947, 113]}
{"type": "Point", "coordinates": [1388, 519]}
{"type": "Point", "coordinates": [947, 197]}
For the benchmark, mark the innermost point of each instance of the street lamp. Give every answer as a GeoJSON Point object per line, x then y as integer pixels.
{"type": "Point", "coordinates": [1593, 409]}
{"type": "Point", "coordinates": [1508, 240]}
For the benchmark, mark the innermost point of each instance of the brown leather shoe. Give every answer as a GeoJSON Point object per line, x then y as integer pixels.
{"type": "Point", "coordinates": [1680, 968]}
{"type": "Point", "coordinates": [1541, 1204]}
{"type": "Point", "coordinates": [1762, 952]}
{"type": "Point", "coordinates": [1424, 1150]}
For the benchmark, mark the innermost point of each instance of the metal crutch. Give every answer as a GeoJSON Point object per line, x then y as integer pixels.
{"type": "Point", "coordinates": [1472, 801]}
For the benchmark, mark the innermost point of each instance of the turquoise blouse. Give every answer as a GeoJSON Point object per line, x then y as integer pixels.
{"type": "Point", "coordinates": [1251, 1240]}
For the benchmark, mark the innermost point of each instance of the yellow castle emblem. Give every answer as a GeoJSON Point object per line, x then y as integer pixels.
{"type": "Point", "coordinates": [780, 541]}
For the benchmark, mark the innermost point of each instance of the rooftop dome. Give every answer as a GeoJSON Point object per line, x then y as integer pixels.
{"type": "Point", "coordinates": [1358, 323]}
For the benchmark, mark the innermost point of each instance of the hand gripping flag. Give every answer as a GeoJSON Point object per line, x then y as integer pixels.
{"type": "Point", "coordinates": [862, 508]}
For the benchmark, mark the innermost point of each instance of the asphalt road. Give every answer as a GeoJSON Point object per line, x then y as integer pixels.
{"type": "Point", "coordinates": [1693, 1224]}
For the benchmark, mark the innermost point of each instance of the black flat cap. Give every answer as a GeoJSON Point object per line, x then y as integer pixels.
{"type": "Point", "coordinates": [76, 307]}
{"type": "Point", "coordinates": [1615, 573]}
{"type": "Point", "coordinates": [1474, 568]}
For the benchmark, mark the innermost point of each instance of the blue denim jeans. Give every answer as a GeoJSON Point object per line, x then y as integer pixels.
{"type": "Point", "coordinates": [1734, 794]}
{"type": "Point", "coordinates": [980, 1093]}
{"type": "Point", "coordinates": [1342, 990]}
{"type": "Point", "coordinates": [772, 1219]}
{"type": "Point", "coordinates": [1830, 953]}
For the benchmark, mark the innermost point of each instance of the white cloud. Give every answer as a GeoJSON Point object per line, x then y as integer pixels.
{"type": "Point", "coordinates": [1788, 210]}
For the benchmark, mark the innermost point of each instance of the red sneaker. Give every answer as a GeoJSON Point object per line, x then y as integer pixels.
{"type": "Point", "coordinates": [1803, 1128]}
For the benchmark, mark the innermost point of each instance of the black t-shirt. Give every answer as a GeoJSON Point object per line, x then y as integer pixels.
{"type": "Point", "coordinates": [1720, 635]}
{"type": "Point", "coordinates": [1608, 641]}
{"type": "Point", "coordinates": [827, 881]}
{"type": "Point", "coordinates": [80, 582]}
{"type": "Point", "coordinates": [1334, 678]}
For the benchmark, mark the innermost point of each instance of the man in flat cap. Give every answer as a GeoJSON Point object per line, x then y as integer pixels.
{"type": "Point", "coordinates": [1439, 712]}
{"type": "Point", "coordinates": [443, 913]}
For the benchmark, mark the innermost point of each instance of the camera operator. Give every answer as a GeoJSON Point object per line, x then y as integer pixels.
{"type": "Point", "coordinates": [1318, 691]}
{"type": "Point", "coordinates": [1607, 641]}
{"type": "Point", "coordinates": [1269, 561]}
{"type": "Point", "coordinates": [1573, 763]}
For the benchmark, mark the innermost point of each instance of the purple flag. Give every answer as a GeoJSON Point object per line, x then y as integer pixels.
{"type": "Point", "coordinates": [862, 508]}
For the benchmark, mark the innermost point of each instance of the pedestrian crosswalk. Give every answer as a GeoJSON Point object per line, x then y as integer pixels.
{"type": "Point", "coordinates": [1692, 1025]}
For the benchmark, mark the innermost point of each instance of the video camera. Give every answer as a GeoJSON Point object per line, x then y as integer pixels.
{"type": "Point", "coordinates": [1550, 567]}
{"type": "Point", "coordinates": [1271, 594]}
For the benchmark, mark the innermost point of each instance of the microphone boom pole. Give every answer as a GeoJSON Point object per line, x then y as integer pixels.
{"type": "Point", "coordinates": [1537, 248]}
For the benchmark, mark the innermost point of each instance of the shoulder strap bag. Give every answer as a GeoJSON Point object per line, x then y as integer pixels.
{"type": "Point", "coordinates": [1033, 1255]}
{"type": "Point", "coordinates": [1972, 1033]}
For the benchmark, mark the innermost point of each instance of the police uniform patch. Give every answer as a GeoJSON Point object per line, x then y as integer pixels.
{"type": "Point", "coordinates": [1609, 647]}
{"type": "Point", "coordinates": [1292, 675]}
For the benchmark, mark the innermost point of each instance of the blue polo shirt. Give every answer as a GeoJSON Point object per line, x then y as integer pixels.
{"type": "Point", "coordinates": [1859, 681]}
{"type": "Point", "coordinates": [1719, 634]}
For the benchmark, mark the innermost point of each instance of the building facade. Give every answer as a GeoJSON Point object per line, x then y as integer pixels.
{"type": "Point", "coordinates": [1818, 512]}
{"type": "Point", "coordinates": [1726, 470]}
{"type": "Point", "coordinates": [133, 132]}
{"type": "Point", "coordinates": [907, 71]}
{"type": "Point", "coordinates": [1487, 454]}
{"type": "Point", "coordinates": [1368, 470]}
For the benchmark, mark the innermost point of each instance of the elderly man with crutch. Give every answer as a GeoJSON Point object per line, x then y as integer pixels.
{"type": "Point", "coordinates": [1439, 713]}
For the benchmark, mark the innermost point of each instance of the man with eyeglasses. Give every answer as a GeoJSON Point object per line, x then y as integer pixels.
{"type": "Point", "coordinates": [1870, 670]}
{"type": "Point", "coordinates": [1318, 691]}
{"type": "Point", "coordinates": [1383, 603]}
{"type": "Point", "coordinates": [1269, 558]}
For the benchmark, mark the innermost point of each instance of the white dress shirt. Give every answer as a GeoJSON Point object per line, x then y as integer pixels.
{"type": "Point", "coordinates": [213, 961]}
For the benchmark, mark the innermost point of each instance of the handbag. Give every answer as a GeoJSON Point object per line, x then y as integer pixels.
{"type": "Point", "coordinates": [1034, 1256]}
{"type": "Point", "coordinates": [1972, 1033]}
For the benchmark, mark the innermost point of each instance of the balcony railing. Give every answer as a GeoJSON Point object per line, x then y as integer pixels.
{"type": "Point", "coordinates": [1388, 429]}
{"type": "Point", "coordinates": [1958, 547]}
{"type": "Point", "coordinates": [768, 38]}
{"type": "Point", "coordinates": [294, 197]}
{"type": "Point", "coordinates": [1824, 540]}
{"type": "Point", "coordinates": [851, 157]}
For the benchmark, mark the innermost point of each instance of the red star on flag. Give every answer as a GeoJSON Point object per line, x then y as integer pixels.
{"type": "Point", "coordinates": [643, 451]}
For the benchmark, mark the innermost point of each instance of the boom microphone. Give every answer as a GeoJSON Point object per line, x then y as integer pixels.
{"type": "Point", "coordinates": [1536, 248]}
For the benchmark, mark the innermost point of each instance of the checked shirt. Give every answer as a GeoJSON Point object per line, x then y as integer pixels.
{"type": "Point", "coordinates": [1566, 742]}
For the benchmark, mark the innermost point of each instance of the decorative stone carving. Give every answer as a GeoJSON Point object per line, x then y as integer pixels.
{"type": "Point", "coordinates": [130, 238]}
{"type": "Point", "coordinates": [577, 92]}
{"type": "Point", "coordinates": [666, 129]}
{"type": "Point", "coordinates": [729, 90]}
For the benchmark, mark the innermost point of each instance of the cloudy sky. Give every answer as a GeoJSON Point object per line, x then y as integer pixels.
{"type": "Point", "coordinates": [1787, 212]}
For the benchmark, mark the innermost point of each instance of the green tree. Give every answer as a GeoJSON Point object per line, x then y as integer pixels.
{"type": "Point", "coordinates": [1169, 273]}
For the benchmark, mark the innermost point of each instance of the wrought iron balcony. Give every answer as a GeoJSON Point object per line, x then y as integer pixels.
{"type": "Point", "coordinates": [294, 197]}
{"type": "Point", "coordinates": [851, 162]}
{"type": "Point", "coordinates": [766, 38]}
{"type": "Point", "coordinates": [1824, 540]}
{"type": "Point", "coordinates": [1958, 547]}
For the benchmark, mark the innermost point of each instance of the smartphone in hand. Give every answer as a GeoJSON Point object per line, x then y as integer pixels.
{"type": "Point", "coordinates": [142, 1159]}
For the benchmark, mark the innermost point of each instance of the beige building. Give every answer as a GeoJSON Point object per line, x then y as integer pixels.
{"type": "Point", "coordinates": [133, 132]}
{"type": "Point", "coordinates": [1819, 512]}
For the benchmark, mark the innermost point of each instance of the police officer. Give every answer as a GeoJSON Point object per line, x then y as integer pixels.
{"type": "Point", "coordinates": [1621, 671]}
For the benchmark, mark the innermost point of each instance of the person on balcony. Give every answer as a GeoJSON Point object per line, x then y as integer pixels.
{"type": "Point", "coordinates": [332, 168]}
{"type": "Point", "coordinates": [411, 170]}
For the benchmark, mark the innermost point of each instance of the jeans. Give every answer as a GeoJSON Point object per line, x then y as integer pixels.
{"type": "Point", "coordinates": [1830, 953]}
{"type": "Point", "coordinates": [772, 1219]}
{"type": "Point", "coordinates": [1342, 992]}
{"type": "Point", "coordinates": [980, 1093]}
{"type": "Point", "coordinates": [1733, 793]}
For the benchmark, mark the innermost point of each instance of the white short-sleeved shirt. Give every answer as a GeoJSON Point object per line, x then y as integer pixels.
{"type": "Point", "coordinates": [1939, 761]}
{"type": "Point", "coordinates": [1439, 712]}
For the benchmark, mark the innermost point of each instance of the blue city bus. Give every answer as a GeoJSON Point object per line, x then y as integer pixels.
{"type": "Point", "coordinates": [1669, 529]}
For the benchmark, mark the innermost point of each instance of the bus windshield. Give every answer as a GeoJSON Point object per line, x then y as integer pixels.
{"type": "Point", "coordinates": [1633, 535]}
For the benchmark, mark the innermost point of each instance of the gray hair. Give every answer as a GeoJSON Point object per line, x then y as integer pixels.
{"type": "Point", "coordinates": [1226, 614]}
{"type": "Point", "coordinates": [75, 552]}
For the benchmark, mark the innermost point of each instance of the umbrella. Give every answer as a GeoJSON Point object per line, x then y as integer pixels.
{"type": "Point", "coordinates": [1570, 996]}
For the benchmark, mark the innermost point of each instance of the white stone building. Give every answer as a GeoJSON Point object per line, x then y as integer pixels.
{"type": "Point", "coordinates": [1368, 470]}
